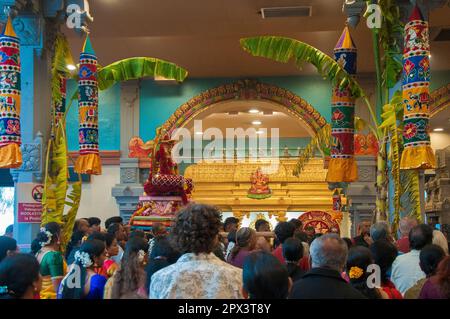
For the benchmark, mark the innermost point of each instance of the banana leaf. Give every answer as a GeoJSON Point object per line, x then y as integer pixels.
{"type": "Point", "coordinates": [391, 130]}
{"type": "Point", "coordinates": [411, 194]}
{"type": "Point", "coordinates": [62, 57]}
{"type": "Point", "coordinates": [283, 49]}
{"type": "Point", "coordinates": [137, 68]}
{"type": "Point", "coordinates": [321, 142]}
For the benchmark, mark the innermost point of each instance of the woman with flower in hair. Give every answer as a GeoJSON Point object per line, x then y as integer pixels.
{"type": "Point", "coordinates": [128, 282]}
{"type": "Point", "coordinates": [46, 248]}
{"type": "Point", "coordinates": [82, 282]}
{"type": "Point", "coordinates": [359, 258]}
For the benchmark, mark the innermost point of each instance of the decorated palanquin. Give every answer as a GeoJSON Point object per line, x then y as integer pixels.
{"type": "Point", "coordinates": [322, 222]}
{"type": "Point", "coordinates": [166, 191]}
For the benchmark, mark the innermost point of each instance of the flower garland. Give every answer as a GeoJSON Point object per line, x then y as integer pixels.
{"type": "Point", "coordinates": [49, 237]}
{"type": "Point", "coordinates": [83, 258]}
{"type": "Point", "coordinates": [141, 255]}
{"type": "Point", "coordinates": [355, 272]}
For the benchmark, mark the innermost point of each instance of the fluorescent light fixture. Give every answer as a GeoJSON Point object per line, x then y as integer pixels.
{"type": "Point", "coordinates": [260, 132]}
{"type": "Point", "coordinates": [256, 122]}
{"type": "Point", "coordinates": [71, 67]}
{"type": "Point", "coordinates": [253, 111]}
{"type": "Point", "coordinates": [198, 133]}
{"type": "Point", "coordinates": [439, 129]}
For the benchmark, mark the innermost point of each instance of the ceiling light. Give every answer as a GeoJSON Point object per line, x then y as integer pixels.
{"type": "Point", "coordinates": [253, 111]}
{"type": "Point", "coordinates": [259, 132]}
{"type": "Point", "coordinates": [71, 67]}
{"type": "Point", "coordinates": [198, 133]}
{"type": "Point", "coordinates": [256, 123]}
{"type": "Point", "coordinates": [439, 129]}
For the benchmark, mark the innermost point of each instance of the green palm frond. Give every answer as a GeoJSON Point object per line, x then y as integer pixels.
{"type": "Point", "coordinates": [137, 68]}
{"type": "Point", "coordinates": [411, 193]}
{"type": "Point", "coordinates": [70, 217]}
{"type": "Point", "coordinates": [282, 49]}
{"type": "Point", "coordinates": [321, 142]}
{"type": "Point", "coordinates": [391, 131]}
{"type": "Point", "coordinates": [62, 57]}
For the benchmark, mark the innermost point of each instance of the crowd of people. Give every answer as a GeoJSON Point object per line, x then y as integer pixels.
{"type": "Point", "coordinates": [201, 257]}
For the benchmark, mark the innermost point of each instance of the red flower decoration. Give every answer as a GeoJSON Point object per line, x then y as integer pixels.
{"type": "Point", "coordinates": [410, 130]}
{"type": "Point", "coordinates": [337, 116]}
{"type": "Point", "coordinates": [408, 66]}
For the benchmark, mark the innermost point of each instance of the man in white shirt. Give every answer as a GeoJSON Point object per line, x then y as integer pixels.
{"type": "Point", "coordinates": [406, 269]}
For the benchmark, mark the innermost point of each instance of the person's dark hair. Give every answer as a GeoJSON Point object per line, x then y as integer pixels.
{"type": "Point", "coordinates": [113, 220]}
{"type": "Point", "coordinates": [75, 241]}
{"type": "Point", "coordinates": [297, 223]}
{"type": "Point", "coordinates": [130, 276]}
{"type": "Point", "coordinates": [384, 254]}
{"type": "Point", "coordinates": [302, 236]}
{"type": "Point", "coordinates": [232, 237]}
{"type": "Point", "coordinates": [283, 231]}
{"type": "Point", "coordinates": [163, 254]}
{"type": "Point", "coordinates": [265, 277]}
{"type": "Point", "coordinates": [360, 257]}
{"type": "Point", "coordinates": [114, 228]}
{"type": "Point", "coordinates": [17, 274]}
{"type": "Point", "coordinates": [42, 237]}
{"type": "Point", "coordinates": [94, 221]}
{"type": "Point", "coordinates": [420, 236]}
{"type": "Point", "coordinates": [137, 233]}
{"type": "Point", "coordinates": [317, 235]}
{"type": "Point", "coordinates": [230, 221]}
{"type": "Point", "coordinates": [7, 244]}
{"type": "Point", "coordinates": [380, 231]}
{"type": "Point", "coordinates": [76, 225]}
{"type": "Point", "coordinates": [157, 228]}
{"type": "Point", "coordinates": [348, 241]}
{"type": "Point", "coordinates": [443, 276]}
{"type": "Point", "coordinates": [94, 248]}
{"type": "Point", "coordinates": [9, 229]}
{"type": "Point", "coordinates": [196, 228]}
{"type": "Point", "coordinates": [243, 239]}
{"type": "Point", "coordinates": [109, 239]}
{"type": "Point", "coordinates": [292, 253]}
{"type": "Point", "coordinates": [430, 257]}
{"type": "Point", "coordinates": [98, 236]}
{"type": "Point", "coordinates": [260, 223]}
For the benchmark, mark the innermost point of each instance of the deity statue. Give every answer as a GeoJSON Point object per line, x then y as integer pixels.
{"type": "Point", "coordinates": [164, 179]}
{"type": "Point", "coordinates": [260, 185]}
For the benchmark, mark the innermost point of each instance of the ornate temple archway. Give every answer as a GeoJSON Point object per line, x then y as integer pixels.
{"type": "Point", "coordinates": [293, 104]}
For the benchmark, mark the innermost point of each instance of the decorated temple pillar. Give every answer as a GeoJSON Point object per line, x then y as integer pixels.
{"type": "Point", "coordinates": [35, 37]}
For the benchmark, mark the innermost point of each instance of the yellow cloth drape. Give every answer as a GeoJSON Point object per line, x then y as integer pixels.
{"type": "Point", "coordinates": [89, 164]}
{"type": "Point", "coordinates": [419, 157]}
{"type": "Point", "coordinates": [10, 156]}
{"type": "Point", "coordinates": [342, 170]}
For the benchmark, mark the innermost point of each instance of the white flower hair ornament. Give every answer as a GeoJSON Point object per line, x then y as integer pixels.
{"type": "Point", "coordinates": [49, 237]}
{"type": "Point", "coordinates": [141, 255]}
{"type": "Point", "coordinates": [83, 258]}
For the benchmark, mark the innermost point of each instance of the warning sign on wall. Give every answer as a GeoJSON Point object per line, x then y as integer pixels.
{"type": "Point", "coordinates": [29, 201]}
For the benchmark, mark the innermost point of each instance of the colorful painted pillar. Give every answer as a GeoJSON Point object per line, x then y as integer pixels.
{"type": "Point", "coordinates": [10, 131]}
{"type": "Point", "coordinates": [417, 153]}
{"type": "Point", "coordinates": [89, 160]}
{"type": "Point", "coordinates": [342, 166]}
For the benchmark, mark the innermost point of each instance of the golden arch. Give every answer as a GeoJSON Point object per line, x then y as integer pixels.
{"type": "Point", "coordinates": [246, 90]}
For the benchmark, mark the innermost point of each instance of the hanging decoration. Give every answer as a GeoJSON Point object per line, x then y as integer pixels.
{"type": "Point", "coordinates": [89, 160]}
{"type": "Point", "coordinates": [342, 166]}
{"type": "Point", "coordinates": [417, 153]}
{"type": "Point", "coordinates": [10, 137]}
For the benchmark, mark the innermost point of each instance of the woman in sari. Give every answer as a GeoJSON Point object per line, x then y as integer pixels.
{"type": "Point", "coordinates": [46, 248]}
{"type": "Point", "coordinates": [129, 280]}
{"type": "Point", "coordinates": [112, 249]}
{"type": "Point", "coordinates": [92, 254]}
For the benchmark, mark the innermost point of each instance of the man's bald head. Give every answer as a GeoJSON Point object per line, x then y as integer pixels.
{"type": "Point", "coordinates": [406, 224]}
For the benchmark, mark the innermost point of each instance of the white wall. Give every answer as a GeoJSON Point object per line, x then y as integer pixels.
{"type": "Point", "coordinates": [96, 198]}
{"type": "Point", "coordinates": [439, 140]}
